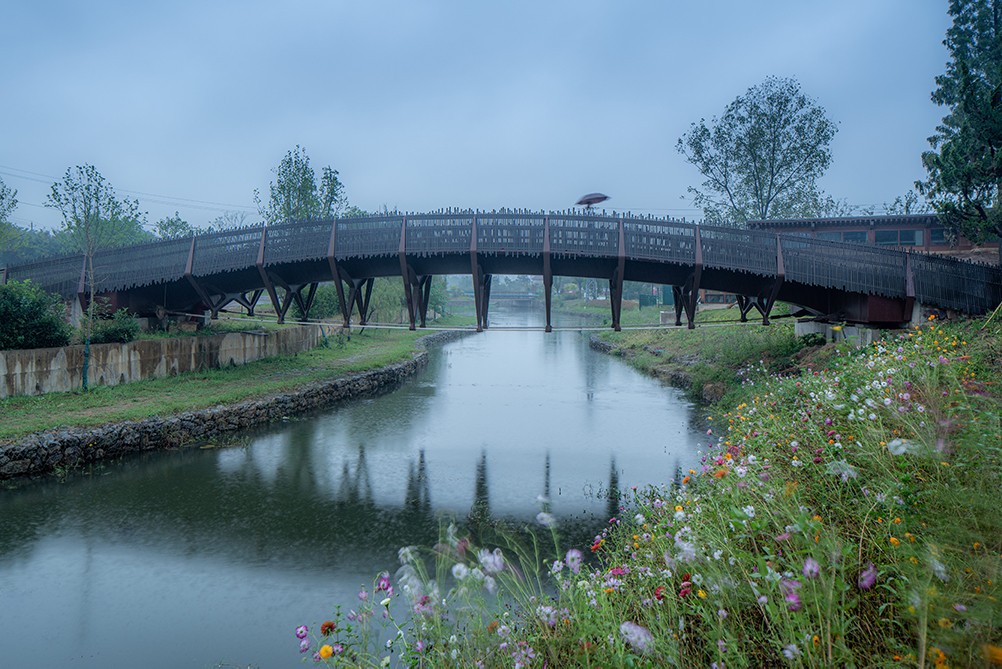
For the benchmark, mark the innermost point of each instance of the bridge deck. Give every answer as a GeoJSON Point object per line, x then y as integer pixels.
{"type": "Point", "coordinates": [814, 273]}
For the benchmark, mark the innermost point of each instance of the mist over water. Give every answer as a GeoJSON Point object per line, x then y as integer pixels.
{"type": "Point", "coordinates": [202, 556]}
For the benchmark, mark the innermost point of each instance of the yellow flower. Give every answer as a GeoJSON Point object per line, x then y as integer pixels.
{"type": "Point", "coordinates": [701, 594]}
{"type": "Point", "coordinates": [945, 623]}
{"type": "Point", "coordinates": [993, 655]}
{"type": "Point", "coordinates": [326, 651]}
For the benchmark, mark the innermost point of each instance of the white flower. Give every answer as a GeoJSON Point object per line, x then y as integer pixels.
{"type": "Point", "coordinates": [492, 563]}
{"type": "Point", "coordinates": [900, 446]}
{"type": "Point", "coordinates": [749, 511]}
{"type": "Point", "coordinates": [547, 520]}
{"type": "Point", "coordinates": [639, 519]}
{"type": "Point", "coordinates": [460, 571]}
{"type": "Point", "coordinates": [407, 554]}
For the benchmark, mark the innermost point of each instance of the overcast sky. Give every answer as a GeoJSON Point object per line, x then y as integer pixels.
{"type": "Point", "coordinates": [189, 106]}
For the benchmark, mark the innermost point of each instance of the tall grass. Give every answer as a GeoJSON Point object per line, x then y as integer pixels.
{"type": "Point", "coordinates": [844, 516]}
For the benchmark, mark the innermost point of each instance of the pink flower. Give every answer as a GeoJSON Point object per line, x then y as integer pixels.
{"type": "Point", "coordinates": [867, 577]}
{"type": "Point", "coordinates": [811, 568]}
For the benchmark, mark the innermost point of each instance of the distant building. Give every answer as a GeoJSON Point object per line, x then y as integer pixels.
{"type": "Point", "coordinates": [917, 232]}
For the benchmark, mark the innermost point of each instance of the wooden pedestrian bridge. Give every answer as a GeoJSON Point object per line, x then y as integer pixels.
{"type": "Point", "coordinates": [833, 281]}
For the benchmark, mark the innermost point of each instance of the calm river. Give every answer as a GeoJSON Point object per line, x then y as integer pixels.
{"type": "Point", "coordinates": [209, 557]}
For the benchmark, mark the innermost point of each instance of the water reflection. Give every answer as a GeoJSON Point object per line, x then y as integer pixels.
{"type": "Point", "coordinates": [235, 546]}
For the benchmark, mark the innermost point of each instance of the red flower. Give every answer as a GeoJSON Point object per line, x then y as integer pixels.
{"type": "Point", "coordinates": [598, 544]}
{"type": "Point", "coordinates": [659, 593]}
{"type": "Point", "coordinates": [327, 627]}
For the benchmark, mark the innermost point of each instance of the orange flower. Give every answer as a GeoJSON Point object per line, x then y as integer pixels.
{"type": "Point", "coordinates": [326, 651]}
{"type": "Point", "coordinates": [895, 541]}
{"type": "Point", "coordinates": [685, 480]}
{"type": "Point", "coordinates": [720, 473]}
{"type": "Point", "coordinates": [993, 655]}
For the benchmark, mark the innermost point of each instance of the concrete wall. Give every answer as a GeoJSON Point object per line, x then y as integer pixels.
{"type": "Point", "coordinates": [45, 370]}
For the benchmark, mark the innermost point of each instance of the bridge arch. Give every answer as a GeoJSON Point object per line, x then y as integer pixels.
{"type": "Point", "coordinates": [832, 280]}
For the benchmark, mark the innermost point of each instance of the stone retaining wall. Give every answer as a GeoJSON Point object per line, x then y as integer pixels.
{"type": "Point", "coordinates": [46, 370]}
{"type": "Point", "coordinates": [43, 452]}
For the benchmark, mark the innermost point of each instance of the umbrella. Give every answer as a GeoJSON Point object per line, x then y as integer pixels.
{"type": "Point", "coordinates": [591, 199]}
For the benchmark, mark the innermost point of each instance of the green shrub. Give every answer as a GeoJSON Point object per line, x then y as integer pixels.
{"type": "Point", "coordinates": [121, 328]}
{"type": "Point", "coordinates": [31, 317]}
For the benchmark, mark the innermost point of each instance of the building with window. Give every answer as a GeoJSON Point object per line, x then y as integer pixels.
{"type": "Point", "coordinates": [918, 232]}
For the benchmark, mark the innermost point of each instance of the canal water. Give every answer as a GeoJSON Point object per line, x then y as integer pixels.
{"type": "Point", "coordinates": [212, 557]}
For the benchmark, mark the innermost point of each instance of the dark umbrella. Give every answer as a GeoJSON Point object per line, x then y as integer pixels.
{"type": "Point", "coordinates": [591, 199]}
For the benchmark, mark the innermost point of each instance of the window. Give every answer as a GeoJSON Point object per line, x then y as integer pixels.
{"type": "Point", "coordinates": [858, 236]}
{"type": "Point", "coordinates": [830, 236]}
{"type": "Point", "coordinates": [911, 238]}
{"type": "Point", "coordinates": [886, 237]}
{"type": "Point", "coordinates": [937, 237]}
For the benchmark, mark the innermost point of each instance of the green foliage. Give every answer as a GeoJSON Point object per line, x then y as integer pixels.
{"type": "Point", "coordinates": [964, 167]}
{"type": "Point", "coordinates": [763, 157]}
{"type": "Point", "coordinates": [30, 317]}
{"type": "Point", "coordinates": [294, 195]}
{"type": "Point", "coordinates": [325, 304]}
{"type": "Point", "coordinates": [121, 328]}
{"type": "Point", "coordinates": [173, 227]}
{"type": "Point", "coordinates": [846, 516]}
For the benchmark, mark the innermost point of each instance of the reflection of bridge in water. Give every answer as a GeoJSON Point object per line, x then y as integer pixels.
{"type": "Point", "coordinates": [256, 511]}
{"type": "Point", "coordinates": [832, 280]}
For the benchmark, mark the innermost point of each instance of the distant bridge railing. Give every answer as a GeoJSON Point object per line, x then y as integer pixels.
{"type": "Point", "coordinates": [856, 268]}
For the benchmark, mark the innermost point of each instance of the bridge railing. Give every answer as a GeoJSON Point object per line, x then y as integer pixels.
{"type": "Point", "coordinates": [57, 275]}
{"type": "Point", "coordinates": [434, 234]}
{"type": "Point", "coordinates": [964, 286]}
{"type": "Point", "coordinates": [226, 251]}
{"type": "Point", "coordinates": [509, 234]}
{"type": "Point", "coordinates": [133, 266]}
{"type": "Point", "coordinates": [663, 242]}
{"type": "Point", "coordinates": [749, 251]}
{"type": "Point", "coordinates": [851, 267]}
{"type": "Point", "coordinates": [368, 237]}
{"type": "Point", "coordinates": [301, 240]}
{"type": "Point", "coordinates": [584, 235]}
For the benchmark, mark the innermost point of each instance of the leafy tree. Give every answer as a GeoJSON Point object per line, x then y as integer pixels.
{"type": "Point", "coordinates": [173, 227]}
{"type": "Point", "coordinates": [294, 195]}
{"type": "Point", "coordinates": [763, 157]}
{"type": "Point", "coordinates": [964, 167]}
{"type": "Point", "coordinates": [31, 317]}
{"type": "Point", "coordinates": [95, 219]}
{"type": "Point", "coordinates": [228, 220]}
{"type": "Point", "coordinates": [909, 203]}
{"type": "Point", "coordinates": [8, 231]}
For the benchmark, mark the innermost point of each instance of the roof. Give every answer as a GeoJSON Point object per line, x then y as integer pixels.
{"type": "Point", "coordinates": [848, 221]}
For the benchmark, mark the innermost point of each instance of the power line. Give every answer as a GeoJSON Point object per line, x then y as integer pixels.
{"type": "Point", "coordinates": [161, 199]}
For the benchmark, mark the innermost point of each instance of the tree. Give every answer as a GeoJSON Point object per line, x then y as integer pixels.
{"type": "Point", "coordinates": [8, 231]}
{"type": "Point", "coordinates": [294, 195]}
{"type": "Point", "coordinates": [763, 157]}
{"type": "Point", "coordinates": [95, 219]}
{"type": "Point", "coordinates": [964, 167]}
{"type": "Point", "coordinates": [228, 220]}
{"type": "Point", "coordinates": [173, 227]}
{"type": "Point", "coordinates": [31, 317]}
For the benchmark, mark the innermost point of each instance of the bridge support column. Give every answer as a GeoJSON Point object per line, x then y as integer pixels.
{"type": "Point", "coordinates": [482, 297]}
{"type": "Point", "coordinates": [358, 296]}
{"type": "Point", "coordinates": [616, 282]}
{"type": "Point", "coordinates": [417, 290]}
{"type": "Point", "coordinates": [547, 272]}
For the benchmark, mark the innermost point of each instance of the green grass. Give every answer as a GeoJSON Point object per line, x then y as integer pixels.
{"type": "Point", "coordinates": [708, 359]}
{"type": "Point", "coordinates": [195, 390]}
{"type": "Point", "coordinates": [845, 515]}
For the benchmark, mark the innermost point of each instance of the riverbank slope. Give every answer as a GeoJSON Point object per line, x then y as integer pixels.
{"type": "Point", "coordinates": [845, 515]}
{"type": "Point", "coordinates": [58, 431]}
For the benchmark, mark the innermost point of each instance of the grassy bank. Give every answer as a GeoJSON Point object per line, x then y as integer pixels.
{"type": "Point", "coordinates": [845, 515]}
{"type": "Point", "coordinates": [705, 361]}
{"type": "Point", "coordinates": [196, 390]}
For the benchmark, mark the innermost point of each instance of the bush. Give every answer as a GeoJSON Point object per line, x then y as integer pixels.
{"type": "Point", "coordinates": [31, 317]}
{"type": "Point", "coordinates": [121, 328]}
{"type": "Point", "coordinates": [325, 304]}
